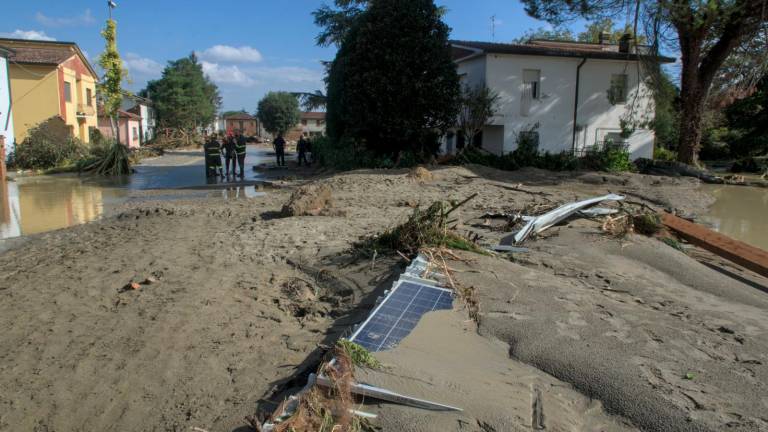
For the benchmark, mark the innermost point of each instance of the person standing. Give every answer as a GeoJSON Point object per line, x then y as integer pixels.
{"type": "Point", "coordinates": [240, 147]}
{"type": "Point", "coordinates": [230, 155]}
{"type": "Point", "coordinates": [279, 144]}
{"type": "Point", "coordinates": [301, 147]}
{"type": "Point", "coordinates": [213, 157]}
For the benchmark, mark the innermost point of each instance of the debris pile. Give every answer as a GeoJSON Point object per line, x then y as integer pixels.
{"type": "Point", "coordinates": [310, 200]}
{"type": "Point", "coordinates": [421, 175]}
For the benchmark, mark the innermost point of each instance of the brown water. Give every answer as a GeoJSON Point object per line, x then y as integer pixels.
{"type": "Point", "coordinates": [740, 212]}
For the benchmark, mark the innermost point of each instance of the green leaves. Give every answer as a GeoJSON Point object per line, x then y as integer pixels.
{"type": "Point", "coordinates": [184, 97]}
{"type": "Point", "coordinates": [110, 87]}
{"type": "Point", "coordinates": [279, 112]}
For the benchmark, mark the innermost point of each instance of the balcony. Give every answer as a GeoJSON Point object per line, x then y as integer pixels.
{"type": "Point", "coordinates": [84, 110]}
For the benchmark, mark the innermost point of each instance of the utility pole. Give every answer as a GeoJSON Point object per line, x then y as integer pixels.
{"type": "Point", "coordinates": [111, 5]}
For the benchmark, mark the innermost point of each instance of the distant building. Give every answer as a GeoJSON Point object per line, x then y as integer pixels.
{"type": "Point", "coordinates": [143, 108]}
{"type": "Point", "coordinates": [312, 123]}
{"type": "Point", "coordinates": [6, 117]}
{"type": "Point", "coordinates": [51, 79]}
{"type": "Point", "coordinates": [129, 127]}
{"type": "Point", "coordinates": [242, 122]}
{"type": "Point", "coordinates": [575, 93]}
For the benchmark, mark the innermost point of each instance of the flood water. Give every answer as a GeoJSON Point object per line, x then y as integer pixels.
{"type": "Point", "coordinates": [740, 212]}
{"type": "Point", "coordinates": [35, 204]}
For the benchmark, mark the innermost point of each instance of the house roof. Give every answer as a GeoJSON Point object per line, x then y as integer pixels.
{"type": "Point", "coordinates": [239, 116]}
{"type": "Point", "coordinates": [43, 52]}
{"type": "Point", "coordinates": [313, 115]}
{"type": "Point", "coordinates": [539, 47]}
{"type": "Point", "coordinates": [120, 113]}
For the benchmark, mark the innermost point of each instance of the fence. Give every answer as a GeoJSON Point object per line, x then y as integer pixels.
{"type": "Point", "coordinates": [600, 146]}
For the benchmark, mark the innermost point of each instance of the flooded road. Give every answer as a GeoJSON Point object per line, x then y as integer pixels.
{"type": "Point", "coordinates": [35, 204]}
{"type": "Point", "coordinates": [740, 212]}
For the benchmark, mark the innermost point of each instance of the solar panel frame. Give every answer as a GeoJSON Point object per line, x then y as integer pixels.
{"type": "Point", "coordinates": [399, 313]}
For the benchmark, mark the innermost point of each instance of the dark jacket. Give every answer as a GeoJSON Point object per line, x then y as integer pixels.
{"type": "Point", "coordinates": [240, 144]}
{"type": "Point", "coordinates": [279, 143]}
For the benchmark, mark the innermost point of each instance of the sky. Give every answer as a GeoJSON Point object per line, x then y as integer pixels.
{"type": "Point", "coordinates": [247, 47]}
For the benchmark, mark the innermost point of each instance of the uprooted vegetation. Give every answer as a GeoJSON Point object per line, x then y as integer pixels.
{"type": "Point", "coordinates": [320, 408]}
{"type": "Point", "coordinates": [424, 228]}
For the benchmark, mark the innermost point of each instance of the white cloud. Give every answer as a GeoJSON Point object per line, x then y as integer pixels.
{"type": "Point", "coordinates": [137, 64]}
{"type": "Point", "coordinates": [293, 74]}
{"type": "Point", "coordinates": [230, 54]}
{"type": "Point", "coordinates": [227, 74]}
{"type": "Point", "coordinates": [28, 34]}
{"type": "Point", "coordinates": [86, 18]}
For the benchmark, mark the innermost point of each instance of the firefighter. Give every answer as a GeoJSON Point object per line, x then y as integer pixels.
{"type": "Point", "coordinates": [240, 146]}
{"type": "Point", "coordinates": [229, 155]}
{"type": "Point", "coordinates": [279, 144]}
{"type": "Point", "coordinates": [302, 147]}
{"type": "Point", "coordinates": [213, 157]}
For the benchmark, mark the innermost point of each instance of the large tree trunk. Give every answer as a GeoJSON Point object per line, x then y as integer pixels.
{"type": "Point", "coordinates": [689, 142]}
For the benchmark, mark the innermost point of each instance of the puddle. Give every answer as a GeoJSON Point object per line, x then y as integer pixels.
{"type": "Point", "coordinates": [740, 212]}
{"type": "Point", "coordinates": [36, 204]}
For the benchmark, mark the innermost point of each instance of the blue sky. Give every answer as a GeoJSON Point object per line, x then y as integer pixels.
{"type": "Point", "coordinates": [247, 47]}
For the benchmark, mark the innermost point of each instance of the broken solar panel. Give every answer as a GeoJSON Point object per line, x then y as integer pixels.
{"type": "Point", "coordinates": [399, 313]}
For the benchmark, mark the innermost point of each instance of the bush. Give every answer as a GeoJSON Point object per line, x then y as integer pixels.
{"type": "Point", "coordinates": [664, 154]}
{"type": "Point", "coordinates": [608, 159]}
{"type": "Point", "coordinates": [750, 165]}
{"type": "Point", "coordinates": [48, 145]}
{"type": "Point", "coordinates": [346, 155]}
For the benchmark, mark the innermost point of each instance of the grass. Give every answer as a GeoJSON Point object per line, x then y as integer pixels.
{"type": "Point", "coordinates": [360, 356]}
{"type": "Point", "coordinates": [673, 243]}
{"type": "Point", "coordinates": [647, 224]}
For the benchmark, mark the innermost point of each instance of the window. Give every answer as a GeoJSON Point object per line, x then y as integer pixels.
{"type": "Point", "coordinates": [67, 91]}
{"type": "Point", "coordinates": [240, 123]}
{"type": "Point", "coordinates": [531, 90]}
{"type": "Point", "coordinates": [617, 94]}
{"type": "Point", "coordinates": [304, 122]}
{"type": "Point", "coordinates": [88, 97]}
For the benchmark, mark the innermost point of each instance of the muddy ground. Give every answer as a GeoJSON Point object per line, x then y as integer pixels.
{"type": "Point", "coordinates": [238, 301]}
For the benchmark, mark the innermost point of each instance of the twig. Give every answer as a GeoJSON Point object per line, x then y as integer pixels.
{"type": "Point", "coordinates": [460, 204]}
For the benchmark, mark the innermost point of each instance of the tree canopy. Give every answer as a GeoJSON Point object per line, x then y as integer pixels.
{"type": "Point", "coordinates": [705, 33]}
{"type": "Point", "coordinates": [278, 112]}
{"type": "Point", "coordinates": [110, 88]}
{"type": "Point", "coordinates": [184, 97]}
{"type": "Point", "coordinates": [393, 85]}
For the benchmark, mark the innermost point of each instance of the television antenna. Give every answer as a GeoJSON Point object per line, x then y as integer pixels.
{"type": "Point", "coordinates": [111, 5]}
{"type": "Point", "coordinates": [493, 27]}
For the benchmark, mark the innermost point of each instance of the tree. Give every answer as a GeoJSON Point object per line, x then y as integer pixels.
{"type": "Point", "coordinates": [184, 97]}
{"type": "Point", "coordinates": [278, 112]}
{"type": "Point", "coordinates": [477, 106]}
{"type": "Point", "coordinates": [110, 88]}
{"type": "Point", "coordinates": [557, 33]}
{"type": "Point", "coordinates": [335, 23]}
{"type": "Point", "coordinates": [593, 31]}
{"type": "Point", "coordinates": [393, 86]}
{"type": "Point", "coordinates": [706, 33]}
{"type": "Point", "coordinates": [748, 120]}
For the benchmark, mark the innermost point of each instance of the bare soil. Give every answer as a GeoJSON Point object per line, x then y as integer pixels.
{"type": "Point", "coordinates": [245, 300]}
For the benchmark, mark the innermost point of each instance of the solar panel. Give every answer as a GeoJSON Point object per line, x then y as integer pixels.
{"type": "Point", "coordinates": [399, 313]}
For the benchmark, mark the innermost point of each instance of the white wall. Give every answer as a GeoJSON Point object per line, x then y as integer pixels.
{"type": "Point", "coordinates": [553, 111]}
{"type": "Point", "coordinates": [6, 116]}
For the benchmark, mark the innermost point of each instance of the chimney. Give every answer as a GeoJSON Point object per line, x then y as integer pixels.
{"type": "Point", "coordinates": [625, 42]}
{"type": "Point", "coordinates": [605, 38]}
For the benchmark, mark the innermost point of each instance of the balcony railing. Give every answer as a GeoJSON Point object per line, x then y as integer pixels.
{"type": "Point", "coordinates": [600, 146]}
{"type": "Point", "coordinates": [84, 110]}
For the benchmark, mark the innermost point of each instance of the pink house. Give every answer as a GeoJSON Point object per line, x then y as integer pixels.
{"type": "Point", "coordinates": [128, 127]}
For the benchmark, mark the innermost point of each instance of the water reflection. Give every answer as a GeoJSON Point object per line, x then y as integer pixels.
{"type": "Point", "coordinates": [33, 205]}
{"type": "Point", "coordinates": [740, 212]}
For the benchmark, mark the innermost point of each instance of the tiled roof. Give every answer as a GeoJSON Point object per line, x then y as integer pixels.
{"type": "Point", "coordinates": [313, 115]}
{"type": "Point", "coordinates": [120, 113]}
{"type": "Point", "coordinates": [239, 116]}
{"type": "Point", "coordinates": [43, 52]}
{"type": "Point", "coordinates": [463, 49]}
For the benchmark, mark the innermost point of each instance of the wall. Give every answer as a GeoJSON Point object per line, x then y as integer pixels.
{"type": "Point", "coordinates": [126, 132]}
{"type": "Point", "coordinates": [6, 116]}
{"type": "Point", "coordinates": [80, 79]}
{"type": "Point", "coordinates": [553, 111]}
{"type": "Point", "coordinates": [35, 94]}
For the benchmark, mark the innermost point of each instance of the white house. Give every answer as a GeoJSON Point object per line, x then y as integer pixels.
{"type": "Point", "coordinates": [6, 117]}
{"type": "Point", "coordinates": [568, 96]}
{"type": "Point", "coordinates": [312, 123]}
{"type": "Point", "coordinates": [143, 108]}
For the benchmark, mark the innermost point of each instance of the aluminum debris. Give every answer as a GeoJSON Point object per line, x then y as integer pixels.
{"type": "Point", "coordinates": [540, 223]}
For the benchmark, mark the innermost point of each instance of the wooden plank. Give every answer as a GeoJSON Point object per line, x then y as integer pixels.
{"type": "Point", "coordinates": [745, 255]}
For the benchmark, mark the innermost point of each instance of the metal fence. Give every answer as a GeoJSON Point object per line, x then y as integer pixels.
{"type": "Point", "coordinates": [600, 146]}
